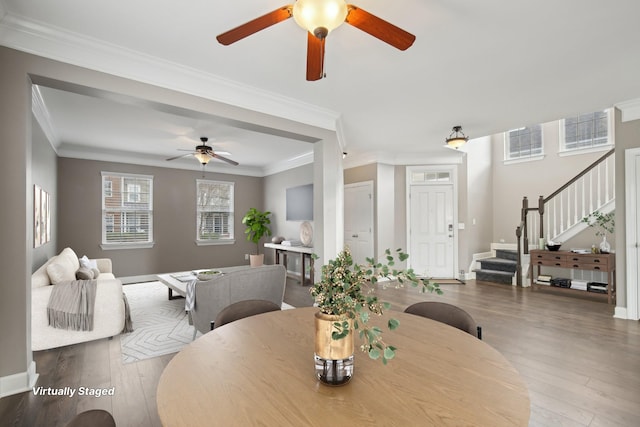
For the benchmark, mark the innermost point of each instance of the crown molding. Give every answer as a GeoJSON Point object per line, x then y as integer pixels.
{"type": "Point", "coordinates": [403, 159]}
{"type": "Point", "coordinates": [41, 113]}
{"type": "Point", "coordinates": [630, 109]}
{"type": "Point", "coordinates": [62, 45]}
{"type": "Point", "coordinates": [287, 164]}
{"type": "Point", "coordinates": [114, 156]}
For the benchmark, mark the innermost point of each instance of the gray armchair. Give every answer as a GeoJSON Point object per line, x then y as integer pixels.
{"type": "Point", "coordinates": [266, 282]}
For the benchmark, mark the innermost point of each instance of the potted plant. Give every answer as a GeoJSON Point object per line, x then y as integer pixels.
{"type": "Point", "coordinates": [603, 223]}
{"type": "Point", "coordinates": [345, 297]}
{"type": "Point", "coordinates": [257, 226]}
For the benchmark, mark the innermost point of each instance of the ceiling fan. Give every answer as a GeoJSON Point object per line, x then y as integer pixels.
{"type": "Point", "coordinates": [204, 153]}
{"type": "Point", "coordinates": [319, 17]}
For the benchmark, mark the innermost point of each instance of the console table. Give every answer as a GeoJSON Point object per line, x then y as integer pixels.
{"type": "Point", "coordinates": [575, 261]}
{"type": "Point", "coordinates": [304, 251]}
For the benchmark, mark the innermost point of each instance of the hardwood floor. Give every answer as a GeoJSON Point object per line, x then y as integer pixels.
{"type": "Point", "coordinates": [582, 366]}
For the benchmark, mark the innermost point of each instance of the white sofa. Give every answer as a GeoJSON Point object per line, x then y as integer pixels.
{"type": "Point", "coordinates": [109, 305]}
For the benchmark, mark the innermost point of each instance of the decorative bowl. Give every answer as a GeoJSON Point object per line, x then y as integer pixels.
{"type": "Point", "coordinates": [554, 247]}
{"type": "Point", "coordinates": [208, 274]}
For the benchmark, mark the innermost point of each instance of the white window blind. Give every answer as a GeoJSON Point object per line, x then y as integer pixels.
{"type": "Point", "coordinates": [523, 142]}
{"type": "Point", "coordinates": [588, 130]}
{"type": "Point", "coordinates": [127, 209]}
{"type": "Point", "coordinates": [215, 207]}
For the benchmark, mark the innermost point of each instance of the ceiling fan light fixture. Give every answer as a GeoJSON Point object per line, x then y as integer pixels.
{"type": "Point", "coordinates": [320, 17]}
{"type": "Point", "coordinates": [457, 138]}
{"type": "Point", "coordinates": [202, 157]}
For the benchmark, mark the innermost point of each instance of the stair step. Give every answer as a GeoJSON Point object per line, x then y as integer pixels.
{"type": "Point", "coordinates": [499, 264]}
{"type": "Point", "coordinates": [507, 254]}
{"type": "Point", "coordinates": [494, 276]}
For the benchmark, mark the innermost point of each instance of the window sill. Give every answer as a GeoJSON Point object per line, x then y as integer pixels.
{"type": "Point", "coordinates": [524, 159]}
{"type": "Point", "coordinates": [118, 246]}
{"type": "Point", "coordinates": [588, 150]}
{"type": "Point", "coordinates": [215, 242]}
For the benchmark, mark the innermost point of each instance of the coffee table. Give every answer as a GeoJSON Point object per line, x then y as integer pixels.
{"type": "Point", "coordinates": [177, 282]}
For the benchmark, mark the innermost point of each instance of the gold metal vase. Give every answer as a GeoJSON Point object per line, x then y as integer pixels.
{"type": "Point", "coordinates": [333, 358]}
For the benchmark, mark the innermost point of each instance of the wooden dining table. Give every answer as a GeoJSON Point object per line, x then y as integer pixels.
{"type": "Point", "coordinates": [259, 371]}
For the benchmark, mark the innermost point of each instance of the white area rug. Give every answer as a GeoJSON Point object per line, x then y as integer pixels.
{"type": "Point", "coordinates": [160, 326]}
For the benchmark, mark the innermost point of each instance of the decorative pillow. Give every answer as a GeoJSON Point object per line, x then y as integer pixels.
{"type": "Point", "coordinates": [88, 263]}
{"type": "Point", "coordinates": [60, 272]}
{"type": "Point", "coordinates": [84, 274]}
{"type": "Point", "coordinates": [96, 273]}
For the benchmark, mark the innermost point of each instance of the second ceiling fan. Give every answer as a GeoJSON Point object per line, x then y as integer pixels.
{"type": "Point", "coordinates": [319, 17]}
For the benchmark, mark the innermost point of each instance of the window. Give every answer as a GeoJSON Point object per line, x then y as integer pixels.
{"type": "Point", "coordinates": [584, 131]}
{"type": "Point", "coordinates": [523, 143]}
{"type": "Point", "coordinates": [127, 210]}
{"type": "Point", "coordinates": [214, 211]}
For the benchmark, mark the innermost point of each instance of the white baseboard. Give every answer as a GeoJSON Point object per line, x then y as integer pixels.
{"type": "Point", "coordinates": [138, 279]}
{"type": "Point", "coordinates": [621, 313]}
{"type": "Point", "coordinates": [20, 382]}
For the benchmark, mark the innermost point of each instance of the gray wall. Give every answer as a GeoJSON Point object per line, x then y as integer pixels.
{"type": "Point", "coordinates": [476, 192]}
{"type": "Point", "coordinates": [16, 215]}
{"type": "Point", "coordinates": [532, 179]}
{"type": "Point", "coordinates": [274, 187]}
{"type": "Point", "coordinates": [44, 173]}
{"type": "Point", "coordinates": [174, 218]}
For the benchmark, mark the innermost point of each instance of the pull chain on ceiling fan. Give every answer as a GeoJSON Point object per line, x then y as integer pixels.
{"type": "Point", "coordinates": [319, 18]}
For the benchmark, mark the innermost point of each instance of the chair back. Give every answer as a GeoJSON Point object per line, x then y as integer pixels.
{"type": "Point", "coordinates": [446, 313]}
{"type": "Point", "coordinates": [242, 309]}
{"type": "Point", "coordinates": [236, 284]}
{"type": "Point", "coordinates": [93, 418]}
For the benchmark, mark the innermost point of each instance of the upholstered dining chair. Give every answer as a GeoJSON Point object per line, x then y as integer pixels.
{"type": "Point", "coordinates": [93, 418]}
{"type": "Point", "coordinates": [446, 313]}
{"type": "Point", "coordinates": [242, 309]}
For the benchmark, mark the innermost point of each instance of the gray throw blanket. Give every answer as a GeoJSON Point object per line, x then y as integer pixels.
{"type": "Point", "coordinates": [71, 305]}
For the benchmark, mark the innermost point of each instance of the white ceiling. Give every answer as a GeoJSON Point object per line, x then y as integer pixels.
{"type": "Point", "coordinates": [487, 65]}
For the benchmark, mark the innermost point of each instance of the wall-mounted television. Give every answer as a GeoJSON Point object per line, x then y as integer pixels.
{"type": "Point", "coordinates": [300, 203]}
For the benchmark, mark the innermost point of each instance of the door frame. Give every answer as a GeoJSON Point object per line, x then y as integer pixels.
{"type": "Point", "coordinates": [370, 186]}
{"type": "Point", "coordinates": [453, 171]}
{"type": "Point", "coordinates": [631, 218]}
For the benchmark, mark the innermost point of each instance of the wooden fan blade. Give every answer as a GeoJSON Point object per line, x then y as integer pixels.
{"type": "Point", "coordinates": [315, 57]}
{"type": "Point", "coordinates": [224, 159]}
{"type": "Point", "coordinates": [256, 25]}
{"type": "Point", "coordinates": [379, 28]}
{"type": "Point", "coordinates": [179, 157]}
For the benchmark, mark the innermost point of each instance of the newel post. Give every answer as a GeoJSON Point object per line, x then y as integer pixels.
{"type": "Point", "coordinates": [523, 223]}
{"type": "Point", "coordinates": [518, 257]}
{"type": "Point", "coordinates": [541, 212]}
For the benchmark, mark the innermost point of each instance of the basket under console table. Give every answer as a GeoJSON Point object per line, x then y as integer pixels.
{"type": "Point", "coordinates": [575, 261]}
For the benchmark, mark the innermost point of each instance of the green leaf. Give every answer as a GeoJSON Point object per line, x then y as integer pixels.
{"type": "Point", "coordinates": [374, 354]}
{"type": "Point", "coordinates": [393, 324]}
{"type": "Point", "coordinates": [389, 353]}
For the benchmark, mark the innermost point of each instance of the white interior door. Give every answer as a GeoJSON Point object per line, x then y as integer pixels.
{"type": "Point", "coordinates": [432, 230]}
{"type": "Point", "coordinates": [358, 220]}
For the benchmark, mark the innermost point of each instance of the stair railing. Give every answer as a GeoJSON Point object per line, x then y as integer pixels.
{"type": "Point", "coordinates": [586, 192]}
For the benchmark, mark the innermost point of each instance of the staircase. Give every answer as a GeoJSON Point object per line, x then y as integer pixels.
{"type": "Point", "coordinates": [559, 216]}
{"type": "Point", "coordinates": [498, 269]}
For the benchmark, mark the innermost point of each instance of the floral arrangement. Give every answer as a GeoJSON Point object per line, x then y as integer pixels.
{"type": "Point", "coordinates": [348, 289]}
{"type": "Point", "coordinates": [605, 223]}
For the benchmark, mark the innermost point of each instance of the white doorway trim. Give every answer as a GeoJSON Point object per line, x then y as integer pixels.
{"type": "Point", "coordinates": [453, 171]}
{"type": "Point", "coordinates": [632, 217]}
